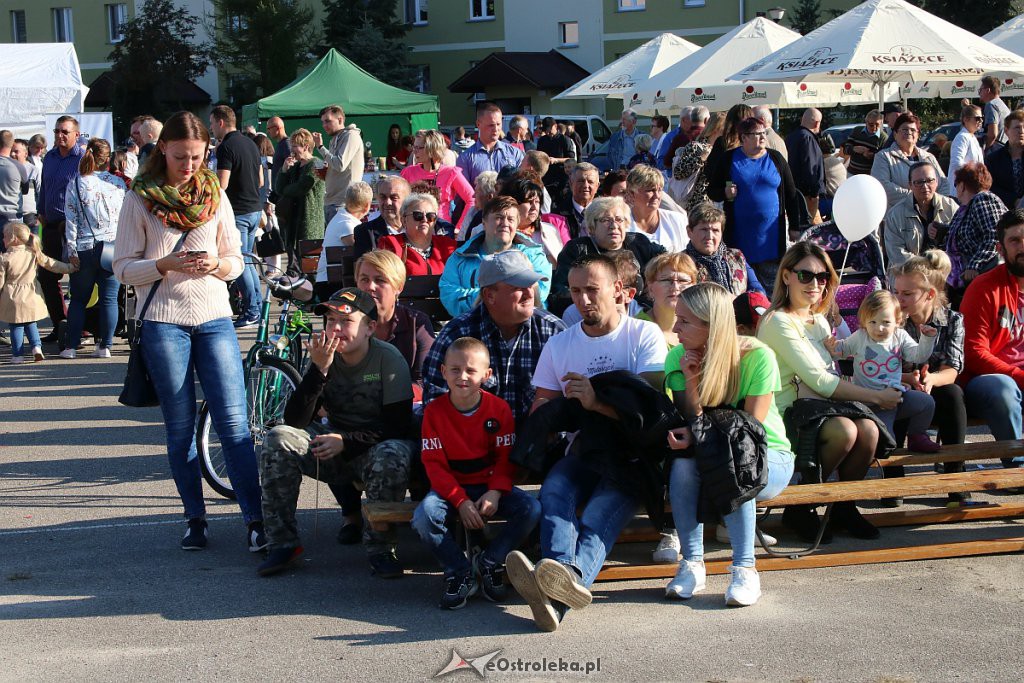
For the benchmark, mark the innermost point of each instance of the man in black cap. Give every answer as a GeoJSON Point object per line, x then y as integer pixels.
{"type": "Point", "coordinates": [890, 113]}
{"type": "Point", "coordinates": [363, 386]}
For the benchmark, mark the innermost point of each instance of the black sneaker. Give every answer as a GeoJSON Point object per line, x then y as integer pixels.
{"type": "Point", "coordinates": [491, 578]}
{"type": "Point", "coordinates": [350, 534]}
{"type": "Point", "coordinates": [278, 560]}
{"type": "Point", "coordinates": [257, 538]}
{"type": "Point", "coordinates": [457, 590]}
{"type": "Point", "coordinates": [386, 565]}
{"type": "Point", "coordinates": [195, 537]}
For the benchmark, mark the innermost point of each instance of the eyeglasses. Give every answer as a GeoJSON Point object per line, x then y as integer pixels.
{"type": "Point", "coordinates": [609, 220]}
{"type": "Point", "coordinates": [62, 131]}
{"type": "Point", "coordinates": [419, 216]}
{"type": "Point", "coordinates": [760, 134]}
{"type": "Point", "coordinates": [908, 131]}
{"type": "Point", "coordinates": [805, 276]}
{"type": "Point", "coordinates": [924, 181]}
{"type": "Point", "coordinates": [979, 118]}
{"type": "Point", "coordinates": [675, 282]}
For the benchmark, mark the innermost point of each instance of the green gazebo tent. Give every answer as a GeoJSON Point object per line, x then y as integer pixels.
{"type": "Point", "coordinates": [368, 103]}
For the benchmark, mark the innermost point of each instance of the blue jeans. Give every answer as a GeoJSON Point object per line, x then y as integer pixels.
{"type": "Point", "coordinates": [684, 494]}
{"type": "Point", "coordinates": [172, 353]}
{"type": "Point", "coordinates": [520, 510]}
{"type": "Point", "coordinates": [997, 400]}
{"type": "Point", "coordinates": [90, 273]}
{"type": "Point", "coordinates": [581, 542]}
{"type": "Point", "coordinates": [18, 332]}
{"type": "Point", "coordinates": [247, 224]}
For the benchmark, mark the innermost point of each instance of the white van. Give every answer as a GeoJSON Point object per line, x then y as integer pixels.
{"type": "Point", "coordinates": [592, 129]}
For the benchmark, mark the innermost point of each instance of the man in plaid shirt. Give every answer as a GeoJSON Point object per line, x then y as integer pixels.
{"type": "Point", "coordinates": [507, 322]}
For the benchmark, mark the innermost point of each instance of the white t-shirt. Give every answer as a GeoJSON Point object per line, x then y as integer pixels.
{"type": "Point", "coordinates": [342, 225]}
{"type": "Point", "coordinates": [635, 345]}
{"type": "Point", "coordinates": [671, 232]}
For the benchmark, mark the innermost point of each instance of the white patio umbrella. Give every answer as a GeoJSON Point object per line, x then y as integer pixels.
{"type": "Point", "coordinates": [885, 41]}
{"type": "Point", "coordinates": [701, 77]}
{"type": "Point", "coordinates": [622, 75]}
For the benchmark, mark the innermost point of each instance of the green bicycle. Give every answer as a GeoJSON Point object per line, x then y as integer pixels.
{"type": "Point", "coordinates": [272, 368]}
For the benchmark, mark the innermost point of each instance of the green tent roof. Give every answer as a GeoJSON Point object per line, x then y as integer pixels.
{"type": "Point", "coordinates": [336, 80]}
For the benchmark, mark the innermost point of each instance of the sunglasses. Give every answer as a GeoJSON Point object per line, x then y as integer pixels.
{"type": "Point", "coordinates": [419, 216]}
{"type": "Point", "coordinates": [806, 276]}
{"type": "Point", "coordinates": [61, 131]}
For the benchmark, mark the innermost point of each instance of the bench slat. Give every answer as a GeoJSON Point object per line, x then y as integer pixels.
{"type": "Point", "coordinates": [978, 450]}
{"type": "Point", "coordinates": [905, 487]}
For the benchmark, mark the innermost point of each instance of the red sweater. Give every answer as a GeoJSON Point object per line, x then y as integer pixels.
{"type": "Point", "coordinates": [440, 249]}
{"type": "Point", "coordinates": [989, 308]}
{"type": "Point", "coordinates": [474, 449]}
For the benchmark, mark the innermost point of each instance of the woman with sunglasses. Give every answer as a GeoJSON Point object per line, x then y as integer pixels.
{"type": "Point", "coordinates": [429, 150]}
{"type": "Point", "coordinates": [423, 252]}
{"type": "Point", "coordinates": [796, 329]}
{"type": "Point", "coordinates": [965, 147]}
{"type": "Point", "coordinates": [891, 167]}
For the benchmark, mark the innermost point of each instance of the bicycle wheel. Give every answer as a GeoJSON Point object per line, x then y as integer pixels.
{"type": "Point", "coordinates": [269, 385]}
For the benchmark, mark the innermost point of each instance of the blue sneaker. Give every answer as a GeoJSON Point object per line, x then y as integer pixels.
{"type": "Point", "coordinates": [247, 321]}
{"type": "Point", "coordinates": [195, 537]}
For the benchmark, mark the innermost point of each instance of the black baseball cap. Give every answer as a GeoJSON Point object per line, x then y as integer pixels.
{"type": "Point", "coordinates": [349, 300]}
{"type": "Point", "coordinates": [894, 108]}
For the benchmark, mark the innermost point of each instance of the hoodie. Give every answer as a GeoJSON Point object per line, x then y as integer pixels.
{"type": "Point", "coordinates": [344, 161]}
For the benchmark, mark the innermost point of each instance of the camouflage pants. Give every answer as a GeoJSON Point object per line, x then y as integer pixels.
{"type": "Point", "coordinates": [383, 472]}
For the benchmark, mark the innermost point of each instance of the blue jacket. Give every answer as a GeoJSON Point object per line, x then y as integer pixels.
{"type": "Point", "coordinates": [459, 289]}
{"type": "Point", "coordinates": [615, 146]}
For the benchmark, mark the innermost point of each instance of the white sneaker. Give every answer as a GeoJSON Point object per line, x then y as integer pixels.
{"type": "Point", "coordinates": [67, 353]}
{"type": "Point", "coordinates": [667, 551]}
{"type": "Point", "coordinates": [101, 352]}
{"type": "Point", "coordinates": [691, 578]}
{"type": "Point", "coordinates": [17, 359]}
{"type": "Point", "coordinates": [37, 354]}
{"type": "Point", "coordinates": [722, 536]}
{"type": "Point", "coordinates": [745, 587]}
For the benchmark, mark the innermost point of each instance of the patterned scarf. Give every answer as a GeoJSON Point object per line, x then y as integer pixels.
{"type": "Point", "coordinates": [184, 209]}
{"type": "Point", "coordinates": [714, 265]}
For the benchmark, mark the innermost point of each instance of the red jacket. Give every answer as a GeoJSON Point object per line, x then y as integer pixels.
{"type": "Point", "coordinates": [467, 449]}
{"type": "Point", "coordinates": [989, 308]}
{"type": "Point", "coordinates": [440, 249]}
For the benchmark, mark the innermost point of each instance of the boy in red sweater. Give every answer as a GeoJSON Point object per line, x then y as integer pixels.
{"type": "Point", "coordinates": [467, 437]}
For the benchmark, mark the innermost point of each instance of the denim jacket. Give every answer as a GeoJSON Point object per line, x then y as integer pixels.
{"type": "Point", "coordinates": [92, 205]}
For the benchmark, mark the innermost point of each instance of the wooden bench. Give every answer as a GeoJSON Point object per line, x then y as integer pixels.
{"type": "Point", "coordinates": [423, 292]}
{"type": "Point", "coordinates": [380, 516]}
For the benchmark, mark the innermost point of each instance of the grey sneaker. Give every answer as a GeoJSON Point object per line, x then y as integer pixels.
{"type": "Point", "coordinates": [522, 577]}
{"type": "Point", "coordinates": [561, 583]}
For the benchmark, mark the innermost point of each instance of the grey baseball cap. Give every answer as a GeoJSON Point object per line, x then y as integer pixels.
{"type": "Point", "coordinates": [511, 266]}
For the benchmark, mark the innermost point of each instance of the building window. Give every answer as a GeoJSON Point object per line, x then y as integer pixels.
{"type": "Point", "coordinates": [416, 12]}
{"type": "Point", "coordinates": [481, 9]}
{"type": "Point", "coordinates": [569, 33]}
{"type": "Point", "coordinates": [633, 5]}
{"type": "Point", "coordinates": [693, 3]}
{"type": "Point", "coordinates": [423, 79]}
{"type": "Point", "coordinates": [63, 31]}
{"type": "Point", "coordinates": [117, 16]}
{"type": "Point", "coordinates": [18, 32]}
{"type": "Point", "coordinates": [236, 23]}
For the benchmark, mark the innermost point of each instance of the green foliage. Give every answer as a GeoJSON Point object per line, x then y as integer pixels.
{"type": "Point", "coordinates": [976, 17]}
{"type": "Point", "coordinates": [158, 48]}
{"type": "Point", "coordinates": [376, 44]}
{"type": "Point", "coordinates": [805, 16]}
{"type": "Point", "coordinates": [262, 44]}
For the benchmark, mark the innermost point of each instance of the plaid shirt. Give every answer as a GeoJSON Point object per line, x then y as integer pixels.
{"type": "Point", "coordinates": [512, 360]}
{"type": "Point", "coordinates": [974, 230]}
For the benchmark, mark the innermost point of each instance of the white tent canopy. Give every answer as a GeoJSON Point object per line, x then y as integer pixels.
{"type": "Point", "coordinates": [701, 77]}
{"type": "Point", "coordinates": [881, 42]}
{"type": "Point", "coordinates": [631, 69]}
{"type": "Point", "coordinates": [38, 79]}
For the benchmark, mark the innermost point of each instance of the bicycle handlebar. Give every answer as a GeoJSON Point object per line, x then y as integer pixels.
{"type": "Point", "coordinates": [280, 290]}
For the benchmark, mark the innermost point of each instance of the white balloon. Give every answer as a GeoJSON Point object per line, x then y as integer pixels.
{"type": "Point", "coordinates": [859, 206]}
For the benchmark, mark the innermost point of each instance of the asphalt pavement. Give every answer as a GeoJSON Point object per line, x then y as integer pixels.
{"type": "Point", "coordinates": [93, 585]}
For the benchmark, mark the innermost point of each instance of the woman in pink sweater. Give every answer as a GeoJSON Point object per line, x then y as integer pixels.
{"type": "Point", "coordinates": [429, 149]}
{"type": "Point", "coordinates": [177, 244]}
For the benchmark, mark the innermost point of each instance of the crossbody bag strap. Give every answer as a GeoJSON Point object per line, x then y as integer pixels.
{"type": "Point", "coordinates": [152, 290]}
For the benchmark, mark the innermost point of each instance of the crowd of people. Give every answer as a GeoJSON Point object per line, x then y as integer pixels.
{"type": "Point", "coordinates": [582, 310]}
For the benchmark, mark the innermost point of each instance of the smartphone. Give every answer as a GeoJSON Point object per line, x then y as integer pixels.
{"type": "Point", "coordinates": [195, 254]}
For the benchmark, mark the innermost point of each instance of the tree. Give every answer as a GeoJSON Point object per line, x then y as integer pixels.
{"type": "Point", "coordinates": [158, 48]}
{"type": "Point", "coordinates": [806, 16]}
{"type": "Point", "coordinates": [976, 17]}
{"type": "Point", "coordinates": [262, 44]}
{"type": "Point", "coordinates": [377, 44]}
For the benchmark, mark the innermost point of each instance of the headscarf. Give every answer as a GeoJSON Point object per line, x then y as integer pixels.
{"type": "Point", "coordinates": [186, 208]}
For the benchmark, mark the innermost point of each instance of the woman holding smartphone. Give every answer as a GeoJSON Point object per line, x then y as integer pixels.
{"type": "Point", "coordinates": [177, 225]}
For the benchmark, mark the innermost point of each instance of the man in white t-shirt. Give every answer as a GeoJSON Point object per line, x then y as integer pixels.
{"type": "Point", "coordinates": [575, 547]}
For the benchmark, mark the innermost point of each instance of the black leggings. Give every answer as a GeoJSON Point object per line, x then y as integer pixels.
{"type": "Point", "coordinates": [950, 418]}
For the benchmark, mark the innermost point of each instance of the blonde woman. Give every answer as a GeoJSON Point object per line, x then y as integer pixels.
{"type": "Point", "coordinates": [666, 276]}
{"type": "Point", "coordinates": [643, 194]}
{"type": "Point", "coordinates": [713, 366]}
{"type": "Point", "coordinates": [429, 149]}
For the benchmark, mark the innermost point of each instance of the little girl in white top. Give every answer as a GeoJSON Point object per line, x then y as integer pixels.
{"type": "Point", "coordinates": [878, 350]}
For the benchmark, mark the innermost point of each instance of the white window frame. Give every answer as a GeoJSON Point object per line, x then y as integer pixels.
{"type": "Point", "coordinates": [117, 17]}
{"type": "Point", "coordinates": [417, 12]}
{"type": "Point", "coordinates": [17, 14]}
{"type": "Point", "coordinates": [563, 37]}
{"type": "Point", "coordinates": [632, 5]}
{"type": "Point", "coordinates": [423, 78]}
{"type": "Point", "coordinates": [482, 5]}
{"type": "Point", "coordinates": [63, 19]}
